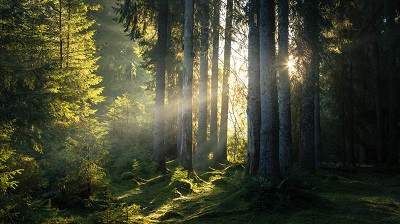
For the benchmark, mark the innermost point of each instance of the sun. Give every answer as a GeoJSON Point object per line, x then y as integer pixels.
{"type": "Point", "coordinates": [290, 63]}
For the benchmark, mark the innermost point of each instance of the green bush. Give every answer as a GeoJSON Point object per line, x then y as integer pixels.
{"type": "Point", "coordinates": [127, 176]}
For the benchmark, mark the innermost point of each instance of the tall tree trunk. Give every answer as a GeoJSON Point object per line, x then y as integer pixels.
{"type": "Point", "coordinates": [393, 81]}
{"type": "Point", "coordinates": [379, 97]}
{"type": "Point", "coordinates": [68, 33]}
{"type": "Point", "coordinates": [159, 145]}
{"type": "Point", "coordinates": [350, 156]}
{"type": "Point", "coordinates": [180, 110]}
{"type": "Point", "coordinates": [307, 152]}
{"type": "Point", "coordinates": [317, 117]}
{"type": "Point", "coordinates": [171, 119]}
{"type": "Point", "coordinates": [269, 139]}
{"type": "Point", "coordinates": [343, 116]}
{"type": "Point", "coordinates": [186, 144]}
{"type": "Point", "coordinates": [253, 101]}
{"type": "Point", "coordinates": [201, 152]}
{"type": "Point", "coordinates": [285, 127]}
{"type": "Point", "coordinates": [223, 133]}
{"type": "Point", "coordinates": [60, 31]}
{"type": "Point", "coordinates": [214, 79]}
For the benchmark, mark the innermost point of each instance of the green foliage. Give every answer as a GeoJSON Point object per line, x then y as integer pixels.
{"type": "Point", "coordinates": [116, 213]}
{"type": "Point", "coordinates": [127, 176]}
{"type": "Point", "coordinates": [137, 161]}
{"type": "Point", "coordinates": [6, 175]}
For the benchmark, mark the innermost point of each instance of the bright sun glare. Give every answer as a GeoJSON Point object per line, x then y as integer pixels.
{"type": "Point", "coordinates": [290, 63]}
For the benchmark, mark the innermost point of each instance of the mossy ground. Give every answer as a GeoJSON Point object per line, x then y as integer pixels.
{"type": "Point", "coordinates": [224, 195]}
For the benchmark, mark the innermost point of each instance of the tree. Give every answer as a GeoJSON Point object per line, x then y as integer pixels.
{"type": "Point", "coordinates": [379, 102]}
{"type": "Point", "coordinates": [317, 116]}
{"type": "Point", "coordinates": [201, 151]}
{"type": "Point", "coordinates": [307, 153]}
{"type": "Point", "coordinates": [253, 102]}
{"type": "Point", "coordinates": [269, 137]}
{"type": "Point", "coordinates": [285, 127]}
{"type": "Point", "coordinates": [186, 142]}
{"type": "Point", "coordinates": [214, 78]}
{"type": "Point", "coordinates": [159, 141]}
{"type": "Point", "coordinates": [392, 38]}
{"type": "Point", "coordinates": [221, 155]}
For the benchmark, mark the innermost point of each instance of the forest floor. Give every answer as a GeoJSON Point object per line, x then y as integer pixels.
{"type": "Point", "coordinates": [224, 195]}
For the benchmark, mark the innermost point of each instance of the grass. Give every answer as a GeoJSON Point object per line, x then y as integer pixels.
{"type": "Point", "coordinates": [224, 195]}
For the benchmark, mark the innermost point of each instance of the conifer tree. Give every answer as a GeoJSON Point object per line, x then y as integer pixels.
{"type": "Point", "coordinates": [269, 137]}
{"type": "Point", "coordinates": [201, 151]}
{"type": "Point", "coordinates": [159, 141]}
{"type": "Point", "coordinates": [186, 143]}
{"type": "Point", "coordinates": [221, 154]}
{"type": "Point", "coordinates": [285, 127]}
{"type": "Point", "coordinates": [214, 77]}
{"type": "Point", "coordinates": [253, 102]}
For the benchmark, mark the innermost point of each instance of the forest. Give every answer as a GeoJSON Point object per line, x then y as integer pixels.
{"type": "Point", "coordinates": [207, 111]}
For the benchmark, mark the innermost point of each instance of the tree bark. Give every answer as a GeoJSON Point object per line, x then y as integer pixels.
{"type": "Point", "coordinates": [201, 152]}
{"type": "Point", "coordinates": [269, 139]}
{"type": "Point", "coordinates": [223, 133]}
{"type": "Point", "coordinates": [214, 79]}
{"type": "Point", "coordinates": [186, 144]}
{"type": "Point", "coordinates": [159, 144]}
{"type": "Point", "coordinates": [285, 127]}
{"type": "Point", "coordinates": [307, 129]}
{"type": "Point", "coordinates": [379, 98]}
{"type": "Point", "coordinates": [350, 156]}
{"type": "Point", "coordinates": [317, 117]}
{"type": "Point", "coordinates": [393, 81]}
{"type": "Point", "coordinates": [253, 98]}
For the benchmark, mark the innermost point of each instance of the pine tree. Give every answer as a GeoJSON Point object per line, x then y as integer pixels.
{"type": "Point", "coordinates": [186, 144]}
{"type": "Point", "coordinates": [253, 102]}
{"type": "Point", "coordinates": [221, 154]}
{"type": "Point", "coordinates": [201, 151]}
{"type": "Point", "coordinates": [307, 147]}
{"type": "Point", "coordinates": [159, 141]}
{"type": "Point", "coordinates": [285, 127]}
{"type": "Point", "coordinates": [269, 137]}
{"type": "Point", "coordinates": [214, 77]}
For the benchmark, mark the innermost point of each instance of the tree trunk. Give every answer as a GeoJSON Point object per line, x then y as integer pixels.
{"type": "Point", "coordinates": [350, 156]}
{"type": "Point", "coordinates": [379, 97]}
{"type": "Point", "coordinates": [307, 152]}
{"type": "Point", "coordinates": [269, 139]}
{"type": "Point", "coordinates": [214, 79]}
{"type": "Point", "coordinates": [317, 117]}
{"type": "Point", "coordinates": [159, 145]}
{"type": "Point", "coordinates": [179, 122]}
{"type": "Point", "coordinates": [393, 82]}
{"type": "Point", "coordinates": [186, 144]}
{"type": "Point", "coordinates": [223, 133]}
{"type": "Point", "coordinates": [61, 36]}
{"type": "Point", "coordinates": [201, 152]}
{"type": "Point", "coordinates": [171, 119]}
{"type": "Point", "coordinates": [285, 127]}
{"type": "Point", "coordinates": [253, 101]}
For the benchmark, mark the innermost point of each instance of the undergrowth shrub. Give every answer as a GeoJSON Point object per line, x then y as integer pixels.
{"type": "Point", "coordinates": [137, 161]}
{"type": "Point", "coordinates": [294, 191]}
{"type": "Point", "coordinates": [127, 176]}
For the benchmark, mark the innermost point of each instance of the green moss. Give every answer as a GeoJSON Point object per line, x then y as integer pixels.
{"type": "Point", "coordinates": [225, 195]}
